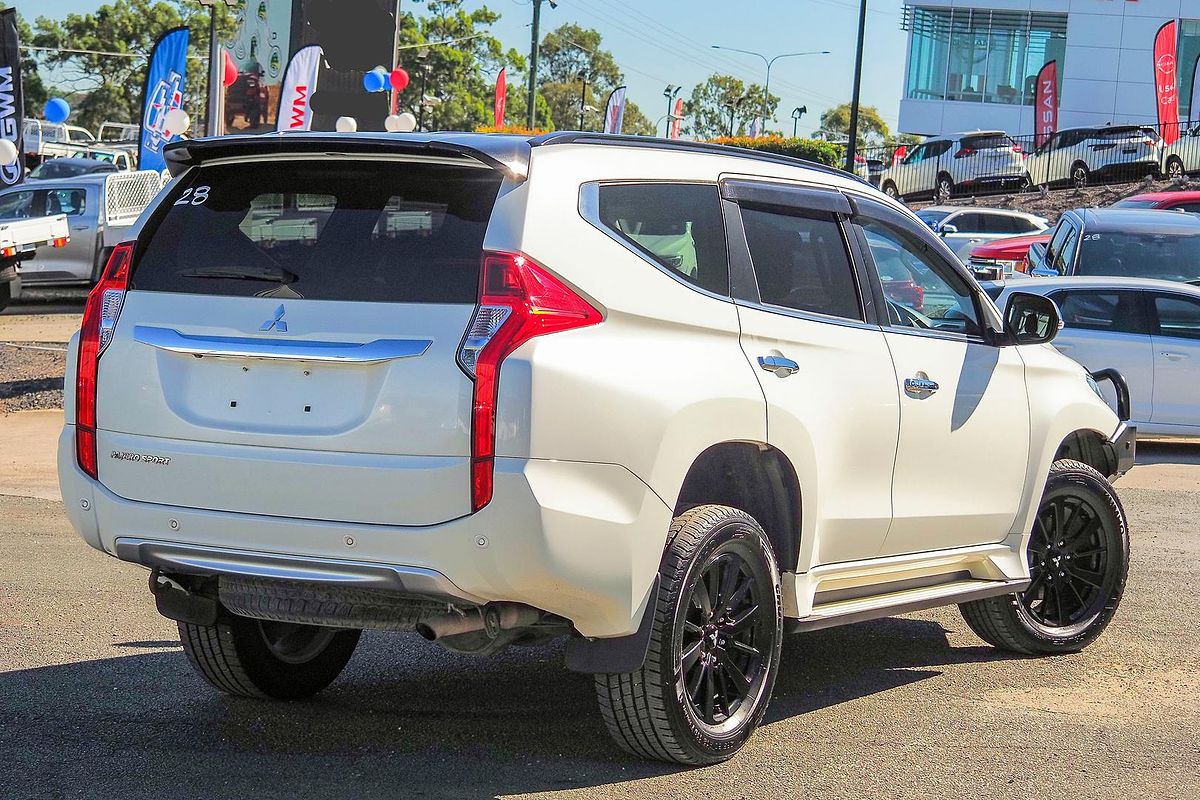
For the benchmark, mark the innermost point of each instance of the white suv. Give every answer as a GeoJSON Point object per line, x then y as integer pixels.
{"type": "Point", "coordinates": [650, 396]}
{"type": "Point", "coordinates": [943, 165]}
{"type": "Point", "coordinates": [1079, 156]}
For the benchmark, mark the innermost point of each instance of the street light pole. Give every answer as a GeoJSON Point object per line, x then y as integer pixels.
{"type": "Point", "coordinates": [582, 97]}
{"type": "Point", "coordinates": [671, 92]}
{"type": "Point", "coordinates": [534, 46]}
{"type": "Point", "coordinates": [770, 62]}
{"type": "Point", "coordinates": [797, 113]}
{"type": "Point", "coordinates": [852, 145]}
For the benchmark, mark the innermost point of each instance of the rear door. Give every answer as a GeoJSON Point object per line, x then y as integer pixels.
{"type": "Point", "coordinates": [1176, 359]}
{"type": "Point", "coordinates": [820, 359]}
{"type": "Point", "coordinates": [289, 342]}
{"type": "Point", "coordinates": [77, 260]}
{"type": "Point", "coordinates": [1105, 329]}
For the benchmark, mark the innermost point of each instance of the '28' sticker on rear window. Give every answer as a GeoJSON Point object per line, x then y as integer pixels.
{"type": "Point", "coordinates": [194, 197]}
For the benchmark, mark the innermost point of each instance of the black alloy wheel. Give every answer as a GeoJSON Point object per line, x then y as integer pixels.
{"type": "Point", "coordinates": [1068, 563]}
{"type": "Point", "coordinates": [721, 663]}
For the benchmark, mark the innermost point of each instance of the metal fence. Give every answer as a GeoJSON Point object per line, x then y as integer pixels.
{"type": "Point", "coordinates": [983, 163]}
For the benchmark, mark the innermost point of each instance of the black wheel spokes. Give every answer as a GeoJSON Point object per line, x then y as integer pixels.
{"type": "Point", "coordinates": [720, 656]}
{"type": "Point", "coordinates": [1067, 559]}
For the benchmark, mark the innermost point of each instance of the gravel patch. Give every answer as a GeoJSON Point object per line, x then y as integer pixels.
{"type": "Point", "coordinates": [31, 377]}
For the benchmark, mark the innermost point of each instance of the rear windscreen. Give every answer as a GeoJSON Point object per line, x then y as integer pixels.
{"type": "Point", "coordinates": [399, 232]}
{"type": "Point", "coordinates": [988, 142]}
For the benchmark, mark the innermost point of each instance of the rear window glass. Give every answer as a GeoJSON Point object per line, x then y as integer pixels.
{"type": "Point", "coordinates": [991, 142]}
{"type": "Point", "coordinates": [1135, 204]}
{"type": "Point", "coordinates": [1170, 257]}
{"type": "Point", "coordinates": [678, 225]}
{"type": "Point", "coordinates": [336, 230]}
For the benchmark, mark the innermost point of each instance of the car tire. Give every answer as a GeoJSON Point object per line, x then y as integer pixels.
{"type": "Point", "coordinates": [1080, 175]}
{"type": "Point", "coordinates": [278, 660]}
{"type": "Point", "coordinates": [943, 188]}
{"type": "Point", "coordinates": [891, 191]}
{"type": "Point", "coordinates": [1084, 597]}
{"type": "Point", "coordinates": [1175, 170]}
{"type": "Point", "coordinates": [702, 712]}
{"type": "Point", "coordinates": [1026, 184]}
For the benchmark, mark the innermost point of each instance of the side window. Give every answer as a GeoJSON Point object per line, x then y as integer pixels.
{"type": "Point", "coordinates": [968, 223]}
{"type": "Point", "coordinates": [678, 225]}
{"type": "Point", "coordinates": [16, 205]}
{"type": "Point", "coordinates": [921, 290]}
{"type": "Point", "coordinates": [71, 202]}
{"type": "Point", "coordinates": [917, 155]}
{"type": "Point", "coordinates": [938, 149]}
{"type": "Point", "coordinates": [1064, 257]}
{"type": "Point", "coordinates": [1018, 225]}
{"type": "Point", "coordinates": [1178, 316]}
{"type": "Point", "coordinates": [1114, 312]}
{"type": "Point", "coordinates": [1056, 241]}
{"type": "Point", "coordinates": [1191, 208]}
{"type": "Point", "coordinates": [800, 262]}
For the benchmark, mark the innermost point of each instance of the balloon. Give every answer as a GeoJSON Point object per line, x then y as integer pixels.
{"type": "Point", "coordinates": [8, 151]}
{"type": "Point", "coordinates": [231, 71]}
{"type": "Point", "coordinates": [346, 124]}
{"type": "Point", "coordinates": [398, 79]}
{"type": "Point", "coordinates": [376, 80]}
{"type": "Point", "coordinates": [57, 111]}
{"type": "Point", "coordinates": [177, 121]}
{"type": "Point", "coordinates": [400, 123]}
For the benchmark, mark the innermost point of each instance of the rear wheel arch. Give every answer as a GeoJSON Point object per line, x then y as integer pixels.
{"type": "Point", "coordinates": [753, 477]}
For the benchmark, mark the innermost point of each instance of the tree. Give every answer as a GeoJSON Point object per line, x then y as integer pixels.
{"type": "Point", "coordinates": [461, 74]}
{"type": "Point", "coordinates": [714, 101]}
{"type": "Point", "coordinates": [872, 130]}
{"type": "Point", "coordinates": [572, 55]}
{"type": "Point", "coordinates": [36, 93]}
{"type": "Point", "coordinates": [113, 84]}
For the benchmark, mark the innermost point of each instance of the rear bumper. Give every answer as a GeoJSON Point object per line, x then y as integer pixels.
{"type": "Point", "coordinates": [582, 541]}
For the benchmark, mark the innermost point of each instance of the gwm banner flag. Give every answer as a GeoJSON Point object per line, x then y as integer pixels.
{"type": "Point", "coordinates": [299, 83]}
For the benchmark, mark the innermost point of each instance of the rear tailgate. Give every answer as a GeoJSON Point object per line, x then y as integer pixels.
{"type": "Point", "coordinates": [288, 343]}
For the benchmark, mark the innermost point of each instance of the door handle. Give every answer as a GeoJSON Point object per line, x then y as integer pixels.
{"type": "Point", "coordinates": [922, 387]}
{"type": "Point", "coordinates": [1174, 356]}
{"type": "Point", "coordinates": [81, 228]}
{"type": "Point", "coordinates": [783, 367]}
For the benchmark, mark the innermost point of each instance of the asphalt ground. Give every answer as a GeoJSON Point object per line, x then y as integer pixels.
{"type": "Point", "coordinates": [98, 701]}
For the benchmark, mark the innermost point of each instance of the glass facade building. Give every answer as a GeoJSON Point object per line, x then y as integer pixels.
{"type": "Point", "coordinates": [975, 55]}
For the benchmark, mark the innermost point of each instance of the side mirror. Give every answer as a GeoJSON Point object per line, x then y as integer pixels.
{"type": "Point", "coordinates": [946, 230]}
{"type": "Point", "coordinates": [1036, 256]}
{"type": "Point", "coordinates": [1031, 319]}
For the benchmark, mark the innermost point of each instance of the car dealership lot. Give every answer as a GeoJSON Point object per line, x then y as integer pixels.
{"type": "Point", "coordinates": [97, 700]}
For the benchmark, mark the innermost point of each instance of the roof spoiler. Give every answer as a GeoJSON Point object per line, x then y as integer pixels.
{"type": "Point", "coordinates": [506, 154]}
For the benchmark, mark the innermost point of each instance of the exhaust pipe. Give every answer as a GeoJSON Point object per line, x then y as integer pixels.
{"type": "Point", "coordinates": [492, 619]}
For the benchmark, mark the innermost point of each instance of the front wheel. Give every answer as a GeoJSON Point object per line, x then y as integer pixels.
{"type": "Point", "coordinates": [260, 658]}
{"type": "Point", "coordinates": [1175, 170]}
{"type": "Point", "coordinates": [714, 648]}
{"type": "Point", "coordinates": [1080, 176]}
{"type": "Point", "coordinates": [1078, 561]}
{"type": "Point", "coordinates": [943, 189]}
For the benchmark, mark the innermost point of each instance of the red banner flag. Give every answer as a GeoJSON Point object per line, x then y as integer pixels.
{"type": "Point", "coordinates": [1166, 83]}
{"type": "Point", "coordinates": [1045, 121]}
{"type": "Point", "coordinates": [501, 97]}
{"type": "Point", "coordinates": [677, 118]}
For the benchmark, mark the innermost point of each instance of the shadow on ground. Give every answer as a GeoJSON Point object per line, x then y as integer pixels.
{"type": "Point", "coordinates": [406, 720]}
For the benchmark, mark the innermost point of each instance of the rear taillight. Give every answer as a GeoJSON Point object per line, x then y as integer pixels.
{"type": "Point", "coordinates": [518, 300]}
{"type": "Point", "coordinates": [1016, 148]}
{"type": "Point", "coordinates": [8, 252]}
{"type": "Point", "coordinates": [964, 152]}
{"type": "Point", "coordinates": [60, 242]}
{"type": "Point", "coordinates": [99, 319]}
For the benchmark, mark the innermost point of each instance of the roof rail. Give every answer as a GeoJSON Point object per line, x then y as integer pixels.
{"type": "Point", "coordinates": [619, 140]}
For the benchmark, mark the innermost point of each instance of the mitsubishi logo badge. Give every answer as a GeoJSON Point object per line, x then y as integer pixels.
{"type": "Point", "coordinates": [277, 323]}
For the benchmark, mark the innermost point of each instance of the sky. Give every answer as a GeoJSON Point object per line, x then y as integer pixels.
{"type": "Point", "coordinates": [660, 42]}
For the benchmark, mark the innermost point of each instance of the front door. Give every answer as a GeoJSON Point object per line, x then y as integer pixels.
{"type": "Point", "coordinates": [964, 417]}
{"type": "Point", "coordinates": [1176, 360]}
{"type": "Point", "coordinates": [76, 261]}
{"type": "Point", "coordinates": [832, 405]}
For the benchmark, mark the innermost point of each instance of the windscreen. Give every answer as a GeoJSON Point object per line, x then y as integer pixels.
{"type": "Point", "coordinates": [403, 232]}
{"type": "Point", "coordinates": [1135, 204]}
{"type": "Point", "coordinates": [1172, 257]}
{"type": "Point", "coordinates": [996, 141]}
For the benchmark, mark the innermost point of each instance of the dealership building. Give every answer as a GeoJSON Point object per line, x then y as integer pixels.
{"type": "Point", "coordinates": [973, 64]}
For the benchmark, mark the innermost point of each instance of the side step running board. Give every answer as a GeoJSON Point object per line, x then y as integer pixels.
{"type": "Point", "coordinates": [903, 602]}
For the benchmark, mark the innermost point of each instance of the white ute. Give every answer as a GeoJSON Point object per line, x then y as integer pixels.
{"type": "Point", "coordinates": [649, 396]}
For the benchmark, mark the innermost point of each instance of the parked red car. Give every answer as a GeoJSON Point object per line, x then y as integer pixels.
{"type": "Point", "coordinates": [1009, 253]}
{"type": "Point", "coordinates": [1165, 201]}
